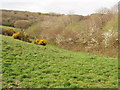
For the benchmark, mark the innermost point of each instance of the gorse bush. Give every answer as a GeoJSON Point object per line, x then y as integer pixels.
{"type": "Point", "coordinates": [16, 35]}
{"type": "Point", "coordinates": [21, 36]}
{"type": "Point", "coordinates": [40, 42]}
{"type": "Point", "coordinates": [8, 32]}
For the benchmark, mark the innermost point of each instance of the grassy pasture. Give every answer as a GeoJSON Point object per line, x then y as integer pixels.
{"type": "Point", "coordinates": [29, 65]}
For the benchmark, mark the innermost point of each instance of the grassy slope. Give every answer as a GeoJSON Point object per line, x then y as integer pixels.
{"type": "Point", "coordinates": [29, 65]}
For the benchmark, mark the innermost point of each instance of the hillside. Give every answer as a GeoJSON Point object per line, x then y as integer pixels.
{"type": "Point", "coordinates": [10, 16]}
{"type": "Point", "coordinates": [29, 65]}
{"type": "Point", "coordinates": [95, 33]}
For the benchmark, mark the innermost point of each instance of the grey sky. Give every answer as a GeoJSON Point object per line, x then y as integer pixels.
{"type": "Point", "coordinates": [82, 7]}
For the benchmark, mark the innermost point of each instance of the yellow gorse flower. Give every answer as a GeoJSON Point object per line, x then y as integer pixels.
{"type": "Point", "coordinates": [15, 35]}
{"type": "Point", "coordinates": [41, 42]}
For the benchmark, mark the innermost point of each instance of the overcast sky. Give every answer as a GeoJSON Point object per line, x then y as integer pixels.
{"type": "Point", "coordinates": [82, 7]}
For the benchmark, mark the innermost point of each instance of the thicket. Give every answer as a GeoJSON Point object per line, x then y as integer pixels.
{"type": "Point", "coordinates": [96, 33]}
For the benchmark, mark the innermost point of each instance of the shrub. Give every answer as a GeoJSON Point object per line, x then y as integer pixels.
{"type": "Point", "coordinates": [41, 42]}
{"type": "Point", "coordinates": [21, 36]}
{"type": "Point", "coordinates": [17, 35]}
{"type": "Point", "coordinates": [8, 32]}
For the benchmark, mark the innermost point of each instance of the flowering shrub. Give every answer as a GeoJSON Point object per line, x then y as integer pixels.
{"type": "Point", "coordinates": [17, 35]}
{"type": "Point", "coordinates": [8, 32]}
{"type": "Point", "coordinates": [41, 42]}
{"type": "Point", "coordinates": [21, 36]}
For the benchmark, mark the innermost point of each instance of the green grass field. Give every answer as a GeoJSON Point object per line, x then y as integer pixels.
{"type": "Point", "coordinates": [29, 65]}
